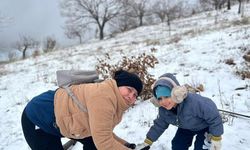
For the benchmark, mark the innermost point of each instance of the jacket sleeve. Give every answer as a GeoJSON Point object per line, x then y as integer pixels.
{"type": "Point", "coordinates": [210, 113]}
{"type": "Point", "coordinates": [122, 141]}
{"type": "Point", "coordinates": [160, 125]}
{"type": "Point", "coordinates": [101, 124]}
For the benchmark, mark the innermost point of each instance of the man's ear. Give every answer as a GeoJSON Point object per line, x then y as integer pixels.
{"type": "Point", "coordinates": [155, 102]}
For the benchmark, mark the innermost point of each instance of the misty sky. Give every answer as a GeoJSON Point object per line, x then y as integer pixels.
{"type": "Point", "coordinates": [36, 18]}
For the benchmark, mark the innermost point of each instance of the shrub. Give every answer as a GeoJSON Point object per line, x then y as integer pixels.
{"type": "Point", "coordinates": [49, 44]}
{"type": "Point", "coordinates": [229, 61]}
{"type": "Point", "coordinates": [138, 65]}
{"type": "Point", "coordinates": [36, 53]}
{"type": "Point", "coordinates": [12, 56]}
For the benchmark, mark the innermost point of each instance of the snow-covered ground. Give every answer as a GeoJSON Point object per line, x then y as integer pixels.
{"type": "Point", "coordinates": [196, 57]}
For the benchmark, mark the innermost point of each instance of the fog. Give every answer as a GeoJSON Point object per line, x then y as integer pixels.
{"type": "Point", "coordinates": [35, 18]}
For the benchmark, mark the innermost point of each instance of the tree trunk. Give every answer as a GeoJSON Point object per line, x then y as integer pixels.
{"type": "Point", "coordinates": [162, 17]}
{"type": "Point", "coordinates": [239, 9]}
{"type": "Point", "coordinates": [242, 9]}
{"type": "Point", "coordinates": [216, 5]}
{"type": "Point", "coordinates": [101, 34]}
{"type": "Point", "coordinates": [24, 52]}
{"type": "Point", "coordinates": [169, 27]}
{"type": "Point", "coordinates": [220, 6]}
{"type": "Point", "coordinates": [80, 39]}
{"type": "Point", "coordinates": [141, 23]}
{"type": "Point", "coordinates": [228, 4]}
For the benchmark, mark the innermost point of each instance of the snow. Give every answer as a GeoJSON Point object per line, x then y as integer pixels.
{"type": "Point", "coordinates": [198, 57]}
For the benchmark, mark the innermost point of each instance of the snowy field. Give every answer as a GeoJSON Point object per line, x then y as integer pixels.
{"type": "Point", "coordinates": [196, 51]}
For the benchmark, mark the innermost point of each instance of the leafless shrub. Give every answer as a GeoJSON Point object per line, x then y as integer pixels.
{"type": "Point", "coordinates": [243, 21]}
{"type": "Point", "coordinates": [3, 72]}
{"type": "Point", "coordinates": [229, 61]}
{"type": "Point", "coordinates": [174, 39]}
{"type": "Point", "coordinates": [49, 44]}
{"type": "Point", "coordinates": [244, 74]}
{"type": "Point", "coordinates": [189, 32]}
{"type": "Point", "coordinates": [227, 104]}
{"type": "Point", "coordinates": [138, 65]}
{"type": "Point", "coordinates": [12, 56]}
{"type": "Point", "coordinates": [246, 56]}
{"type": "Point", "coordinates": [36, 53]}
{"type": "Point", "coordinates": [244, 69]}
{"type": "Point", "coordinates": [152, 42]}
{"type": "Point", "coordinates": [153, 50]}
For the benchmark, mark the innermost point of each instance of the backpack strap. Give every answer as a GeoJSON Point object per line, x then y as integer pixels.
{"type": "Point", "coordinates": [75, 99]}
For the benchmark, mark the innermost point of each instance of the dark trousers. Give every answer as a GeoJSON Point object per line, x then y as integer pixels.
{"type": "Point", "coordinates": [37, 139]}
{"type": "Point", "coordinates": [183, 139]}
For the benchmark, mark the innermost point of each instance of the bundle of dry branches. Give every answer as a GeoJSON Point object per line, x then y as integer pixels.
{"type": "Point", "coordinates": [136, 64]}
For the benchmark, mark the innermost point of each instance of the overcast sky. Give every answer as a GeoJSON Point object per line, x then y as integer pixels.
{"type": "Point", "coordinates": [36, 18]}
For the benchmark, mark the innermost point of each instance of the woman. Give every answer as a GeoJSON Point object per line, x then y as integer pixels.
{"type": "Point", "coordinates": [53, 114]}
{"type": "Point", "coordinates": [192, 113]}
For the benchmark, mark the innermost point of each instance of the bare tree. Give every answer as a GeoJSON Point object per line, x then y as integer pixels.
{"type": "Point", "coordinates": [160, 9]}
{"type": "Point", "coordinates": [138, 9]}
{"type": "Point", "coordinates": [166, 10]}
{"type": "Point", "coordinates": [216, 3]}
{"type": "Point", "coordinates": [73, 31]}
{"type": "Point", "coordinates": [125, 21]}
{"type": "Point", "coordinates": [97, 12]}
{"type": "Point", "coordinates": [25, 43]}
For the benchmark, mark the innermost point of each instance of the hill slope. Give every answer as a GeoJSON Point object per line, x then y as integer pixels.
{"type": "Point", "coordinates": [195, 51]}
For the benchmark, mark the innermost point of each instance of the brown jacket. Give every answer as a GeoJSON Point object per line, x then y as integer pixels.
{"type": "Point", "coordinates": [105, 107]}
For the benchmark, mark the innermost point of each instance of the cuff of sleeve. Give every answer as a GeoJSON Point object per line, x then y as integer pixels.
{"type": "Point", "coordinates": [148, 141]}
{"type": "Point", "coordinates": [216, 138]}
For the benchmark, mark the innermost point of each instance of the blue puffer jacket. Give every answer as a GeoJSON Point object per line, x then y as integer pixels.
{"type": "Point", "coordinates": [194, 113]}
{"type": "Point", "coordinates": [40, 111]}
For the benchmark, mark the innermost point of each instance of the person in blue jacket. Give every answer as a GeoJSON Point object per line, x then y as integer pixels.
{"type": "Point", "coordinates": [42, 132]}
{"type": "Point", "coordinates": [193, 114]}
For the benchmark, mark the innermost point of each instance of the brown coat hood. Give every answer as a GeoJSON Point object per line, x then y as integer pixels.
{"type": "Point", "coordinates": [105, 107]}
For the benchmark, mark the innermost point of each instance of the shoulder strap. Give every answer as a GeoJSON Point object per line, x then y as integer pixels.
{"type": "Point", "coordinates": [75, 99]}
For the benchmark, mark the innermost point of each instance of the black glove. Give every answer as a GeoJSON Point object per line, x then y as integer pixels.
{"type": "Point", "coordinates": [130, 145]}
{"type": "Point", "coordinates": [146, 148]}
{"type": "Point", "coordinates": [142, 146]}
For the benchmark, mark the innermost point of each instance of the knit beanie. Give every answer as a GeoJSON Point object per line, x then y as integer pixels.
{"type": "Point", "coordinates": [124, 78]}
{"type": "Point", "coordinates": [162, 91]}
